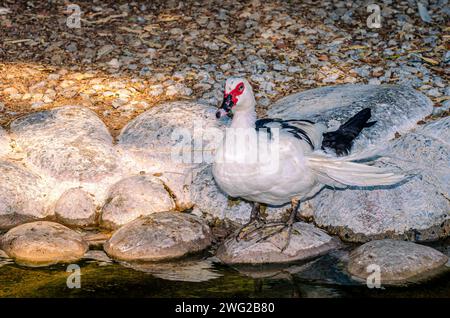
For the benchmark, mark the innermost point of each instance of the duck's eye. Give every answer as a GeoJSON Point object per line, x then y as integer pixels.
{"type": "Point", "coordinates": [241, 87]}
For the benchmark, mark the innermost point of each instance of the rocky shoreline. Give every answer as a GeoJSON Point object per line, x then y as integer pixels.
{"type": "Point", "coordinates": [63, 175]}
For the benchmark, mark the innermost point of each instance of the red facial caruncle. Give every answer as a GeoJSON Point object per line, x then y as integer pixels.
{"type": "Point", "coordinates": [238, 90]}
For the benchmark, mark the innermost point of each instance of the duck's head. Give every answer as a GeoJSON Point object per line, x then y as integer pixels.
{"type": "Point", "coordinates": [238, 96]}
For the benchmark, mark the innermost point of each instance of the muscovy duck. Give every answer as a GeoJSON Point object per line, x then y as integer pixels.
{"type": "Point", "coordinates": [296, 167]}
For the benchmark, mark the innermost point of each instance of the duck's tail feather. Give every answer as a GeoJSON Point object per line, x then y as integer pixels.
{"type": "Point", "coordinates": [341, 140]}
{"type": "Point", "coordinates": [340, 171]}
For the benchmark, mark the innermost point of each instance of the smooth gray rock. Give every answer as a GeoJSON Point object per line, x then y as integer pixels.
{"type": "Point", "coordinates": [159, 236]}
{"type": "Point", "coordinates": [154, 140]}
{"type": "Point", "coordinates": [43, 243]}
{"type": "Point", "coordinates": [68, 143]}
{"type": "Point", "coordinates": [416, 210]}
{"type": "Point", "coordinates": [133, 197]}
{"type": "Point", "coordinates": [22, 195]}
{"type": "Point", "coordinates": [306, 242]}
{"type": "Point", "coordinates": [399, 262]}
{"type": "Point", "coordinates": [211, 202]}
{"type": "Point", "coordinates": [395, 108]}
{"type": "Point", "coordinates": [76, 207]}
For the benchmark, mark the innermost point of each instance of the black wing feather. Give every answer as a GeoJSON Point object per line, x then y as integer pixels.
{"type": "Point", "coordinates": [295, 131]}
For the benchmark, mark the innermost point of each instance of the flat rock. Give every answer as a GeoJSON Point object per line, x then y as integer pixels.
{"type": "Point", "coordinates": [43, 243]}
{"type": "Point", "coordinates": [22, 195]}
{"type": "Point", "coordinates": [306, 242]}
{"type": "Point", "coordinates": [133, 197]}
{"type": "Point", "coordinates": [415, 210]}
{"type": "Point", "coordinates": [159, 236]}
{"type": "Point", "coordinates": [76, 207]}
{"type": "Point", "coordinates": [68, 143]}
{"type": "Point", "coordinates": [399, 261]}
{"type": "Point", "coordinates": [396, 108]}
{"type": "Point", "coordinates": [156, 137]}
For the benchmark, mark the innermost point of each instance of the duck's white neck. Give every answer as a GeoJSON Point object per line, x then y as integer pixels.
{"type": "Point", "coordinates": [244, 118]}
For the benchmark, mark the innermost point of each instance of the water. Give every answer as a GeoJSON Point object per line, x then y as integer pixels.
{"type": "Point", "coordinates": [204, 276]}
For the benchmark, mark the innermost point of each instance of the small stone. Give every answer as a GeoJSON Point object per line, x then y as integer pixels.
{"type": "Point", "coordinates": [114, 63]}
{"type": "Point", "coordinates": [105, 50]}
{"type": "Point", "coordinates": [76, 207]}
{"type": "Point", "coordinates": [434, 92]}
{"type": "Point", "coordinates": [72, 47]}
{"type": "Point", "coordinates": [156, 90]}
{"type": "Point", "coordinates": [399, 262]}
{"type": "Point", "coordinates": [159, 236]}
{"type": "Point", "coordinates": [43, 243]}
{"type": "Point", "coordinates": [306, 242]}
{"type": "Point", "coordinates": [118, 102]}
{"type": "Point", "coordinates": [294, 69]}
{"type": "Point", "coordinates": [279, 67]}
{"type": "Point", "coordinates": [178, 89]}
{"type": "Point", "coordinates": [98, 256]}
{"type": "Point", "coordinates": [54, 77]}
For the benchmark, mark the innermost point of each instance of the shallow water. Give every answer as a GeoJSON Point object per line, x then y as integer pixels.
{"type": "Point", "coordinates": [205, 277]}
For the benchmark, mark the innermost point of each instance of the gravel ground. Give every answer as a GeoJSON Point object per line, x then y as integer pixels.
{"type": "Point", "coordinates": [128, 56]}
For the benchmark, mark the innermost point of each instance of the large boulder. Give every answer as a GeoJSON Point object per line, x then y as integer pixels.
{"type": "Point", "coordinates": [133, 197]}
{"type": "Point", "coordinates": [43, 243]}
{"type": "Point", "coordinates": [22, 195]}
{"type": "Point", "coordinates": [396, 108]}
{"type": "Point", "coordinates": [159, 236]}
{"type": "Point", "coordinates": [161, 141]}
{"type": "Point", "coordinates": [306, 242]}
{"type": "Point", "coordinates": [396, 262]}
{"type": "Point", "coordinates": [67, 143]}
{"type": "Point", "coordinates": [77, 208]}
{"type": "Point", "coordinates": [416, 209]}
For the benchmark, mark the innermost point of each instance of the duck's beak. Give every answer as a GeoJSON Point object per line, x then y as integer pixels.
{"type": "Point", "coordinates": [226, 107]}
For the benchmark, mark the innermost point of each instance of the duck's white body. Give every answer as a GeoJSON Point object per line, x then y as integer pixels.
{"type": "Point", "coordinates": [270, 180]}
{"type": "Point", "coordinates": [298, 171]}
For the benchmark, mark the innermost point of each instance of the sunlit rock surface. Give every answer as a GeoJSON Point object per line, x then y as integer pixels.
{"type": "Point", "coordinates": [159, 236]}
{"type": "Point", "coordinates": [156, 137]}
{"type": "Point", "coordinates": [76, 207]}
{"type": "Point", "coordinates": [133, 197]}
{"type": "Point", "coordinates": [22, 195]}
{"type": "Point", "coordinates": [395, 108]}
{"type": "Point", "coordinates": [306, 241]}
{"type": "Point", "coordinates": [398, 262]}
{"type": "Point", "coordinates": [43, 243]}
{"type": "Point", "coordinates": [418, 209]}
{"type": "Point", "coordinates": [68, 143]}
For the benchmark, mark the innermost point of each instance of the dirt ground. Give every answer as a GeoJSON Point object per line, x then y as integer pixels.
{"type": "Point", "coordinates": [125, 57]}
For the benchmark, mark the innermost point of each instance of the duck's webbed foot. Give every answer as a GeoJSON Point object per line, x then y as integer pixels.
{"type": "Point", "coordinates": [255, 223]}
{"type": "Point", "coordinates": [283, 227]}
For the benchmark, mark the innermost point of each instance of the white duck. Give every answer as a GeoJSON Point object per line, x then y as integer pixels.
{"type": "Point", "coordinates": [302, 168]}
